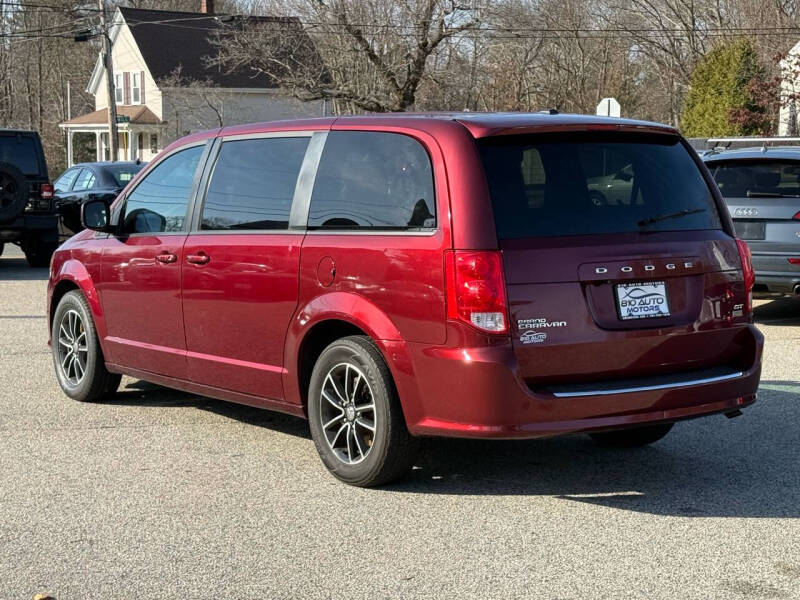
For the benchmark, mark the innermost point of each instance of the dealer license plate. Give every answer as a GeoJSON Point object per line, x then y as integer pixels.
{"type": "Point", "coordinates": [643, 300]}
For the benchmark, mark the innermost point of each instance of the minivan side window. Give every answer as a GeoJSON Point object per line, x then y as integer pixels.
{"type": "Point", "coordinates": [373, 181]}
{"type": "Point", "coordinates": [252, 184]}
{"type": "Point", "coordinates": [158, 203]}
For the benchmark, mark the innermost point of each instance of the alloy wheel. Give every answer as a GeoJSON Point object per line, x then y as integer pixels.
{"type": "Point", "coordinates": [73, 351]}
{"type": "Point", "coordinates": [347, 413]}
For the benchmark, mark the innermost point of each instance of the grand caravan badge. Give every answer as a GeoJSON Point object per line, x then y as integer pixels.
{"type": "Point", "coordinates": [642, 300]}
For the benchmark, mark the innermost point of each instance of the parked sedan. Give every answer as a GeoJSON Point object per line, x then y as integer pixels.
{"type": "Point", "coordinates": [761, 187]}
{"type": "Point", "coordinates": [86, 181]}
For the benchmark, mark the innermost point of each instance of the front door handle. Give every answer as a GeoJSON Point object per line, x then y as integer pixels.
{"type": "Point", "coordinates": [201, 258]}
{"type": "Point", "coordinates": [167, 257]}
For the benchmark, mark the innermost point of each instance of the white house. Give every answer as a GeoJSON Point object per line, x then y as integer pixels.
{"type": "Point", "coordinates": [165, 89]}
{"type": "Point", "coordinates": [789, 121]}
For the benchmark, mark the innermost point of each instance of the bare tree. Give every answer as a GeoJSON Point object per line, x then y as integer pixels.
{"type": "Point", "coordinates": [369, 56]}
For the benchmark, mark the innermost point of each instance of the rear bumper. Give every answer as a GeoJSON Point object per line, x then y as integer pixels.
{"type": "Point", "coordinates": [479, 393]}
{"type": "Point", "coordinates": [44, 225]}
{"type": "Point", "coordinates": [776, 273]}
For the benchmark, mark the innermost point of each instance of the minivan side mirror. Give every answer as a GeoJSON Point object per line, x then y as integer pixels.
{"type": "Point", "coordinates": [96, 215]}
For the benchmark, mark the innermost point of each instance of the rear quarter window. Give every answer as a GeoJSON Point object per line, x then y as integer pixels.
{"type": "Point", "coordinates": [568, 184]}
{"type": "Point", "coordinates": [373, 181]}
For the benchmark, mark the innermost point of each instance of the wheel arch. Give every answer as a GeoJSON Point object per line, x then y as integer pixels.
{"type": "Point", "coordinates": [322, 321]}
{"type": "Point", "coordinates": [73, 276]}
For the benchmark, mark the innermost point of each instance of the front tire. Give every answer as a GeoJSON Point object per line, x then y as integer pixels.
{"type": "Point", "coordinates": [77, 355]}
{"type": "Point", "coordinates": [355, 416]}
{"type": "Point", "coordinates": [632, 438]}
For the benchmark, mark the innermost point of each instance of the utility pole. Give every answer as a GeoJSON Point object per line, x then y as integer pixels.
{"type": "Point", "coordinates": [113, 136]}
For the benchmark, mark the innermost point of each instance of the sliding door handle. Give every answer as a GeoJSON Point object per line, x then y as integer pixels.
{"type": "Point", "coordinates": [201, 258]}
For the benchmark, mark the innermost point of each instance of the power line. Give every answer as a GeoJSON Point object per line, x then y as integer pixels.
{"type": "Point", "coordinates": [402, 30]}
{"type": "Point", "coordinates": [46, 7]}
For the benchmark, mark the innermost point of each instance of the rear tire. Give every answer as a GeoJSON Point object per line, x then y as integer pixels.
{"type": "Point", "coordinates": [77, 355]}
{"type": "Point", "coordinates": [355, 416]}
{"type": "Point", "coordinates": [2, 247]}
{"type": "Point", "coordinates": [632, 438]}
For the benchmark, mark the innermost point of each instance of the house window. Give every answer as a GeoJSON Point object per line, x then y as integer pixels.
{"type": "Point", "coordinates": [153, 143]}
{"type": "Point", "coordinates": [136, 88]}
{"type": "Point", "coordinates": [118, 88]}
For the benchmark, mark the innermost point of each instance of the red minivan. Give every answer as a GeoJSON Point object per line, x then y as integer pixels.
{"type": "Point", "coordinates": [397, 276]}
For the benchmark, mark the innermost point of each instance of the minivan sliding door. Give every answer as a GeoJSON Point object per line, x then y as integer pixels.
{"type": "Point", "coordinates": [241, 264]}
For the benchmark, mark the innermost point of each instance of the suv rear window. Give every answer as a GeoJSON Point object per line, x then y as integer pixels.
{"type": "Point", "coordinates": [21, 151]}
{"type": "Point", "coordinates": [766, 178]}
{"type": "Point", "coordinates": [581, 184]}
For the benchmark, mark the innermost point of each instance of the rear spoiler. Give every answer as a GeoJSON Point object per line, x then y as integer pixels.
{"type": "Point", "coordinates": [567, 128]}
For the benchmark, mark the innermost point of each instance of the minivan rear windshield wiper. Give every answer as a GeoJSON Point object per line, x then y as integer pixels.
{"type": "Point", "coordinates": [675, 215]}
{"type": "Point", "coordinates": [752, 194]}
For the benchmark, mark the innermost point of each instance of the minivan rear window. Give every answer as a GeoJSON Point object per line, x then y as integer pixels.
{"type": "Point", "coordinates": [757, 178]}
{"type": "Point", "coordinates": [582, 184]}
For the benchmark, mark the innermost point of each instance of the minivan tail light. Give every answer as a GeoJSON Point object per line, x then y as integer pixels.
{"type": "Point", "coordinates": [477, 290]}
{"type": "Point", "coordinates": [796, 216]}
{"type": "Point", "coordinates": [47, 190]}
{"type": "Point", "coordinates": [748, 273]}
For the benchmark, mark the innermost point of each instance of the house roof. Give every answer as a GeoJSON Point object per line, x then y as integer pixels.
{"type": "Point", "coordinates": [139, 115]}
{"type": "Point", "coordinates": [172, 40]}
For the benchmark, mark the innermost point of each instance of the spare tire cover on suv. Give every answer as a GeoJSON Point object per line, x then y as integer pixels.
{"type": "Point", "coordinates": [13, 191]}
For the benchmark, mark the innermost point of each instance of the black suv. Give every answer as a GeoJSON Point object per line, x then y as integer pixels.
{"type": "Point", "coordinates": [27, 215]}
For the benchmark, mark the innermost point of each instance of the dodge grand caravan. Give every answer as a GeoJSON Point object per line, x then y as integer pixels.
{"type": "Point", "coordinates": [397, 276]}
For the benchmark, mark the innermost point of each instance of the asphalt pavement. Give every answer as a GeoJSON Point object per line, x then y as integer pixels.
{"type": "Point", "coordinates": [162, 494]}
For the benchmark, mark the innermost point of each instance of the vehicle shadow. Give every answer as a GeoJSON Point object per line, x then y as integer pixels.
{"type": "Point", "coordinates": [780, 311]}
{"type": "Point", "coordinates": [709, 467]}
{"type": "Point", "coordinates": [15, 268]}
{"type": "Point", "coordinates": [143, 393]}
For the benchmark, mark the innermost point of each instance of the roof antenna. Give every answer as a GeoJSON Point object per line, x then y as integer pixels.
{"type": "Point", "coordinates": [549, 111]}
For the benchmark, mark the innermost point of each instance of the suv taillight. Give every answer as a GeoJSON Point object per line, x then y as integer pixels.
{"type": "Point", "coordinates": [47, 191]}
{"type": "Point", "coordinates": [476, 291]}
{"type": "Point", "coordinates": [796, 217]}
{"type": "Point", "coordinates": [748, 273]}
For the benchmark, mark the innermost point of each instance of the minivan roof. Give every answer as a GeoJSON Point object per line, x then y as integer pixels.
{"type": "Point", "coordinates": [479, 124]}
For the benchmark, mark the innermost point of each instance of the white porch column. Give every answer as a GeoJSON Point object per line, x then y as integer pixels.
{"type": "Point", "coordinates": [69, 148]}
{"type": "Point", "coordinates": [98, 146]}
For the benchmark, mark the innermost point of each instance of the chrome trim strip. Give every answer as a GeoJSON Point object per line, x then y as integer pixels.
{"type": "Point", "coordinates": [379, 232]}
{"type": "Point", "coordinates": [648, 388]}
{"type": "Point", "coordinates": [271, 134]}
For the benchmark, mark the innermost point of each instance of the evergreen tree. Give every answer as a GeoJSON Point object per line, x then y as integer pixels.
{"type": "Point", "coordinates": [723, 98]}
